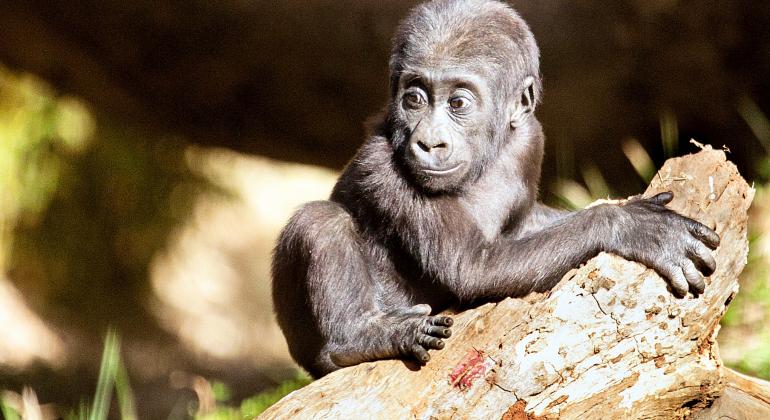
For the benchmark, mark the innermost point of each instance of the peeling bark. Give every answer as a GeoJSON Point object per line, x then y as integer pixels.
{"type": "Point", "coordinates": [610, 341]}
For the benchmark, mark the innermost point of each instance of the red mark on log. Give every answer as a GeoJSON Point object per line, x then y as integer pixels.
{"type": "Point", "coordinates": [470, 368]}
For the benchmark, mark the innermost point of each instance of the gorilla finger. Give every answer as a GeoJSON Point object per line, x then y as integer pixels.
{"type": "Point", "coordinates": [421, 309]}
{"type": "Point", "coordinates": [703, 233]}
{"type": "Point", "coordinates": [441, 332]}
{"type": "Point", "coordinates": [704, 261]}
{"type": "Point", "coordinates": [420, 353]}
{"type": "Point", "coordinates": [443, 321]}
{"type": "Point", "coordinates": [676, 278]}
{"type": "Point", "coordinates": [697, 286]}
{"type": "Point", "coordinates": [430, 342]}
{"type": "Point", "coordinates": [661, 198]}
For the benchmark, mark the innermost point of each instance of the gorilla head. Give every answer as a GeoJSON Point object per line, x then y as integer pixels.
{"type": "Point", "coordinates": [462, 82]}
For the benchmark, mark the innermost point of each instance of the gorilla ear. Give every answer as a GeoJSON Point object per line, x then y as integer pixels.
{"type": "Point", "coordinates": [524, 103]}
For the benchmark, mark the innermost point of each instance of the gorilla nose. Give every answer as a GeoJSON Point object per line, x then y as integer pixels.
{"type": "Point", "coordinates": [427, 148]}
{"type": "Point", "coordinates": [431, 153]}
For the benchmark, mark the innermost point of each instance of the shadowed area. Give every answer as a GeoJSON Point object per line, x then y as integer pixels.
{"type": "Point", "coordinates": [296, 79]}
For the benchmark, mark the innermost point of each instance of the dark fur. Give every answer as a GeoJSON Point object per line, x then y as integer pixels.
{"type": "Point", "coordinates": [353, 276]}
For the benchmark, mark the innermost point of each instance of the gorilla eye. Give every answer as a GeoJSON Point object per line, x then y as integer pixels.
{"type": "Point", "coordinates": [414, 99]}
{"type": "Point", "coordinates": [459, 103]}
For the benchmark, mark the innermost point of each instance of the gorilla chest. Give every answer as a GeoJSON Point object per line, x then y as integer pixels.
{"type": "Point", "coordinates": [490, 205]}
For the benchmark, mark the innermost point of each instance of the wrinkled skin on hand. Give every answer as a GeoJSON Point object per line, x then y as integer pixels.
{"type": "Point", "coordinates": [421, 332]}
{"type": "Point", "coordinates": [677, 247]}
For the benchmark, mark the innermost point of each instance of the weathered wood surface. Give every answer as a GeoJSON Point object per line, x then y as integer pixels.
{"type": "Point", "coordinates": [610, 341]}
{"type": "Point", "coordinates": [743, 398]}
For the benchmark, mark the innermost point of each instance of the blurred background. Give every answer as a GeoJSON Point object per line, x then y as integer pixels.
{"type": "Point", "coordinates": [151, 151]}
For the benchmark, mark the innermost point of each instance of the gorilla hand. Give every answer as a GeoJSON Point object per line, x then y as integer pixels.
{"type": "Point", "coordinates": [677, 247]}
{"type": "Point", "coordinates": [420, 332]}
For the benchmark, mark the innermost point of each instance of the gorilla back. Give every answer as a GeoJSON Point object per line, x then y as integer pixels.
{"type": "Point", "coordinates": [439, 206]}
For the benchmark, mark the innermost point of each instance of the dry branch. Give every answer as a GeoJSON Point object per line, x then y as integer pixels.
{"type": "Point", "coordinates": [610, 341]}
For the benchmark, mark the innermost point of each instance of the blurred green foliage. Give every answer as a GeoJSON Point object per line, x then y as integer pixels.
{"type": "Point", "coordinates": [745, 321]}
{"type": "Point", "coordinates": [38, 134]}
{"type": "Point", "coordinates": [83, 207]}
{"type": "Point", "coordinates": [113, 377]}
{"type": "Point", "coordinates": [8, 412]}
{"type": "Point", "coordinates": [253, 406]}
{"type": "Point", "coordinates": [750, 309]}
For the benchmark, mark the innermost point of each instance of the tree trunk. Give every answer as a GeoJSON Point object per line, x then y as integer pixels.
{"type": "Point", "coordinates": [610, 341]}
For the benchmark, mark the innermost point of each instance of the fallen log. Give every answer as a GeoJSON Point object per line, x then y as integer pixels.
{"type": "Point", "coordinates": [610, 341]}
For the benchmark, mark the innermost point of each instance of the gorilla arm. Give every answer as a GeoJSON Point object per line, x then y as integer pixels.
{"type": "Point", "coordinates": [640, 229]}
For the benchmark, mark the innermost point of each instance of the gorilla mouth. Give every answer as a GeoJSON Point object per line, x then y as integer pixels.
{"type": "Point", "coordinates": [443, 172]}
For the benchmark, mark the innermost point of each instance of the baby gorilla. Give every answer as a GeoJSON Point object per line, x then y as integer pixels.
{"type": "Point", "coordinates": [439, 207]}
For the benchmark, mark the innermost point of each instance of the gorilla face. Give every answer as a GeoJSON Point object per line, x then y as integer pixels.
{"type": "Point", "coordinates": [447, 122]}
